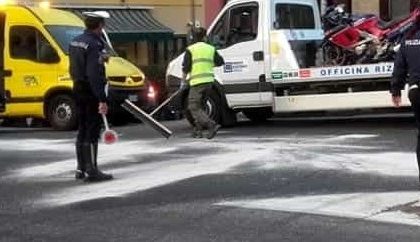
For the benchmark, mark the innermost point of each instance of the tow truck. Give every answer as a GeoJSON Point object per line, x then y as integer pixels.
{"type": "Point", "coordinates": [271, 49]}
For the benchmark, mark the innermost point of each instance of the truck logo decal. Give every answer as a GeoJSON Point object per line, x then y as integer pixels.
{"type": "Point", "coordinates": [30, 81]}
{"type": "Point", "coordinates": [305, 73]}
{"type": "Point", "coordinates": [344, 71]}
{"type": "Point", "coordinates": [285, 75]}
{"type": "Point", "coordinates": [335, 72]}
{"type": "Point", "coordinates": [235, 66]}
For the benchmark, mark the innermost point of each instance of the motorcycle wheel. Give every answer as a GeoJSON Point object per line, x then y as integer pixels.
{"type": "Point", "coordinates": [334, 55]}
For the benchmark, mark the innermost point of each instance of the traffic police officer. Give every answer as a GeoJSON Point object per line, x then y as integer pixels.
{"type": "Point", "coordinates": [87, 68]}
{"type": "Point", "coordinates": [407, 70]}
{"type": "Point", "coordinates": [199, 62]}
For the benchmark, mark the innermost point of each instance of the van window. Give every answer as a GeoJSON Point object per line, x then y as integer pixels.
{"type": "Point", "coordinates": [243, 24]}
{"type": "Point", "coordinates": [64, 35]}
{"type": "Point", "coordinates": [294, 16]}
{"type": "Point", "coordinates": [218, 36]}
{"type": "Point", "coordinates": [28, 43]}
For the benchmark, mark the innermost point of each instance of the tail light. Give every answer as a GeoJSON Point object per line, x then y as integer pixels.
{"type": "Point", "coordinates": [151, 92]}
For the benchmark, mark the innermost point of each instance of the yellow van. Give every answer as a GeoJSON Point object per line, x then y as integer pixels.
{"type": "Point", "coordinates": [34, 77]}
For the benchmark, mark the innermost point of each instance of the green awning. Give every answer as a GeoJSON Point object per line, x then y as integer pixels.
{"type": "Point", "coordinates": [131, 24]}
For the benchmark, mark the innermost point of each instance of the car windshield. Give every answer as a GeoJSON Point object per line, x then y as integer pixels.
{"type": "Point", "coordinates": [65, 34]}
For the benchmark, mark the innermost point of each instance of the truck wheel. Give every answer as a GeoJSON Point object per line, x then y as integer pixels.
{"type": "Point", "coordinates": [228, 118]}
{"type": "Point", "coordinates": [258, 115]}
{"type": "Point", "coordinates": [211, 105]}
{"type": "Point", "coordinates": [62, 114]}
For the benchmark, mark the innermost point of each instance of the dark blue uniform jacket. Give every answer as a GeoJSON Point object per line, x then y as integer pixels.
{"type": "Point", "coordinates": [407, 64]}
{"type": "Point", "coordinates": [87, 63]}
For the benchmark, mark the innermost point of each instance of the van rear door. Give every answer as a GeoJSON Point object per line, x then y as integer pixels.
{"type": "Point", "coordinates": [3, 71]}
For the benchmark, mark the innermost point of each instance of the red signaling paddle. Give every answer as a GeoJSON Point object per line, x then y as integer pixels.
{"type": "Point", "coordinates": [109, 136]}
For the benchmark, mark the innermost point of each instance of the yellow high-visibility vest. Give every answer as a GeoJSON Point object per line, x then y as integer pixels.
{"type": "Point", "coordinates": [202, 63]}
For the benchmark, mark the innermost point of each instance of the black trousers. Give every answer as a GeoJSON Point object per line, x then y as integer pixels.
{"type": "Point", "coordinates": [414, 96]}
{"type": "Point", "coordinates": [89, 118]}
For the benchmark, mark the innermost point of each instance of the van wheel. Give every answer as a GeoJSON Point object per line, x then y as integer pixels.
{"type": "Point", "coordinates": [62, 114]}
{"type": "Point", "coordinates": [258, 115]}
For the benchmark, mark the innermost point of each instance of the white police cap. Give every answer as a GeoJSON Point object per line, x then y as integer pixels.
{"type": "Point", "coordinates": [97, 14]}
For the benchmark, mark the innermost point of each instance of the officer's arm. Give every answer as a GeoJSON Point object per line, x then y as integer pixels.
{"type": "Point", "coordinates": [93, 71]}
{"type": "Point", "coordinates": [218, 59]}
{"type": "Point", "coordinates": [187, 63]}
{"type": "Point", "coordinates": [400, 72]}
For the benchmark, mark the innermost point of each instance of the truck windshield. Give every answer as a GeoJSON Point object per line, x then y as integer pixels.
{"type": "Point", "coordinates": [65, 34]}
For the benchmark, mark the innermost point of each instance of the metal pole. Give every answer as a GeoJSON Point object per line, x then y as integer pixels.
{"type": "Point", "coordinates": [193, 11]}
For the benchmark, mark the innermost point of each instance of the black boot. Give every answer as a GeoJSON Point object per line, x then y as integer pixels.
{"type": "Point", "coordinates": [81, 169]}
{"type": "Point", "coordinates": [93, 173]}
{"type": "Point", "coordinates": [95, 150]}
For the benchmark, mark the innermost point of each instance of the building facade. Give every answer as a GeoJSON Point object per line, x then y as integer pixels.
{"type": "Point", "coordinates": [158, 27]}
{"type": "Point", "coordinates": [386, 9]}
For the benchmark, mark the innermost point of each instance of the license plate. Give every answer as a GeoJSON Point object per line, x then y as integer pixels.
{"type": "Point", "coordinates": [133, 98]}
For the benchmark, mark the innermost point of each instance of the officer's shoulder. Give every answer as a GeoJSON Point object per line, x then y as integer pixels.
{"type": "Point", "coordinates": [80, 41]}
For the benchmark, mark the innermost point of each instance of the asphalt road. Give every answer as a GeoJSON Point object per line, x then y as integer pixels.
{"type": "Point", "coordinates": [285, 180]}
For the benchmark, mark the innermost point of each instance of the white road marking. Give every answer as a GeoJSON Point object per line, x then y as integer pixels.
{"type": "Point", "coordinates": [368, 206]}
{"type": "Point", "coordinates": [131, 162]}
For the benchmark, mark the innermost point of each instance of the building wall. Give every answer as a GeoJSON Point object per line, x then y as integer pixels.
{"type": "Point", "coordinates": [363, 6]}
{"type": "Point", "coordinates": [173, 13]}
{"type": "Point", "coordinates": [386, 9]}
{"type": "Point", "coordinates": [212, 9]}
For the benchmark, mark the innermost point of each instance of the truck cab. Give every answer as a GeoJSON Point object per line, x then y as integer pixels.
{"type": "Point", "coordinates": [34, 76]}
{"type": "Point", "coordinates": [274, 64]}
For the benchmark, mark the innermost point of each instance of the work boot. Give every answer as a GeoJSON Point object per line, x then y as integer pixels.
{"type": "Point", "coordinates": [93, 173]}
{"type": "Point", "coordinates": [198, 131]}
{"type": "Point", "coordinates": [213, 129]}
{"type": "Point", "coordinates": [81, 169]}
{"type": "Point", "coordinates": [198, 134]}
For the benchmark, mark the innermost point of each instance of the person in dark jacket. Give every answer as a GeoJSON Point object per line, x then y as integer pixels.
{"type": "Point", "coordinates": [87, 68]}
{"type": "Point", "coordinates": [407, 71]}
{"type": "Point", "coordinates": [199, 62]}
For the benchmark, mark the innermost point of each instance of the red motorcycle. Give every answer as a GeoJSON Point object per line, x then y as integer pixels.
{"type": "Point", "coordinates": [367, 40]}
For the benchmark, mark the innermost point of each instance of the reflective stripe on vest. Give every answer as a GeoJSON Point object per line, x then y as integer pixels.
{"type": "Point", "coordinates": [202, 63]}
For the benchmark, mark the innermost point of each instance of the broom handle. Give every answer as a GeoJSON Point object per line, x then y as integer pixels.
{"type": "Point", "coordinates": [165, 102]}
{"type": "Point", "coordinates": [105, 122]}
